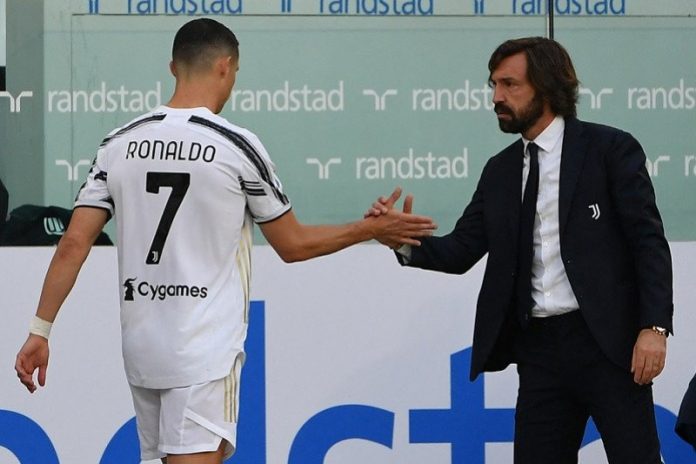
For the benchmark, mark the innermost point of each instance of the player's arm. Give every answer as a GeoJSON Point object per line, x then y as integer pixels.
{"type": "Point", "coordinates": [294, 241]}
{"type": "Point", "coordinates": [85, 225]}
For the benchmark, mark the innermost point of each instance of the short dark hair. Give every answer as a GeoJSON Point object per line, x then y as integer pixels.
{"type": "Point", "coordinates": [549, 69]}
{"type": "Point", "coordinates": [200, 41]}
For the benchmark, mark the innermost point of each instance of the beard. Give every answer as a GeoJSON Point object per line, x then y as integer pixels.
{"type": "Point", "coordinates": [524, 119]}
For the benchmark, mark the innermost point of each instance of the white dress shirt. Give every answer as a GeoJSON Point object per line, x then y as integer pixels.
{"type": "Point", "coordinates": [551, 289]}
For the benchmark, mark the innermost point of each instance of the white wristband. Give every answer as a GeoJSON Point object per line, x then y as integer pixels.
{"type": "Point", "coordinates": [40, 327]}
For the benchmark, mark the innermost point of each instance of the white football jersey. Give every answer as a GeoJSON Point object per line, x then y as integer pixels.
{"type": "Point", "coordinates": [184, 186]}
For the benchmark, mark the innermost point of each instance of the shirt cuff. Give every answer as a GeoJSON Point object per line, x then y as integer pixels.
{"type": "Point", "coordinates": [405, 252]}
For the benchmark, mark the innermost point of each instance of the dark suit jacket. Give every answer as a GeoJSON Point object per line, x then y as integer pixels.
{"type": "Point", "coordinates": [686, 421]}
{"type": "Point", "coordinates": [618, 265]}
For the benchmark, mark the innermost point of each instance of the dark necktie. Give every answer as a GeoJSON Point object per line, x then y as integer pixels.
{"type": "Point", "coordinates": [525, 247]}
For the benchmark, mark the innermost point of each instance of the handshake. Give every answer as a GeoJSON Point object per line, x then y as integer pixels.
{"type": "Point", "coordinates": [395, 228]}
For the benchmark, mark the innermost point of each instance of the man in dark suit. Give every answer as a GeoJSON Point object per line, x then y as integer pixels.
{"type": "Point", "coordinates": [686, 420]}
{"type": "Point", "coordinates": [577, 289]}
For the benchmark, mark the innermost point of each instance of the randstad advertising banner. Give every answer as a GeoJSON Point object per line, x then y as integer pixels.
{"type": "Point", "coordinates": [386, 7]}
{"type": "Point", "coordinates": [351, 359]}
{"type": "Point", "coordinates": [350, 107]}
{"type": "Point", "coordinates": [351, 98]}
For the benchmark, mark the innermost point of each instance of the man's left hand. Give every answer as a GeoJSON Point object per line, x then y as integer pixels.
{"type": "Point", "coordinates": [649, 355]}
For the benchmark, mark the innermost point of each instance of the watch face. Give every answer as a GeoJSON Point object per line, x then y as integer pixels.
{"type": "Point", "coordinates": [659, 330]}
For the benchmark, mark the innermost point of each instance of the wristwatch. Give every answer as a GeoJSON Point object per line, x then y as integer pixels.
{"type": "Point", "coordinates": [660, 331]}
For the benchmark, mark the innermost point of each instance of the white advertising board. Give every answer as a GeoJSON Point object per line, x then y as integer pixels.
{"type": "Point", "coordinates": [351, 359]}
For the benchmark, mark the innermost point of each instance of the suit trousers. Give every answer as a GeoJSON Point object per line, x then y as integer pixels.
{"type": "Point", "coordinates": [564, 380]}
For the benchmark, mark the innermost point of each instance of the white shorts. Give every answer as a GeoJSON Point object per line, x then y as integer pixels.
{"type": "Point", "coordinates": [188, 420]}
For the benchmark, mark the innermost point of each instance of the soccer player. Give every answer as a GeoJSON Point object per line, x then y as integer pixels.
{"type": "Point", "coordinates": [185, 186]}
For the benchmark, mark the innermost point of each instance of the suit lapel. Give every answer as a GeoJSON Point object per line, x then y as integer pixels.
{"type": "Point", "coordinates": [511, 181]}
{"type": "Point", "coordinates": [572, 158]}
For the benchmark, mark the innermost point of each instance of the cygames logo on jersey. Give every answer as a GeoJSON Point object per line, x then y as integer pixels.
{"type": "Point", "coordinates": [161, 291]}
{"type": "Point", "coordinates": [128, 285]}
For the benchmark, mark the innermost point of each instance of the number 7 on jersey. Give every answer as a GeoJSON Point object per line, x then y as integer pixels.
{"type": "Point", "coordinates": [179, 182]}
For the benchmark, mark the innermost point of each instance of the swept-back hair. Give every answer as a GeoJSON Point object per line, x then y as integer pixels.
{"type": "Point", "coordinates": [549, 69]}
{"type": "Point", "coordinates": [200, 41]}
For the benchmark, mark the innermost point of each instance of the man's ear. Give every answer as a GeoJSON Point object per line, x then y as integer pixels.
{"type": "Point", "coordinates": [221, 66]}
{"type": "Point", "coordinates": [172, 68]}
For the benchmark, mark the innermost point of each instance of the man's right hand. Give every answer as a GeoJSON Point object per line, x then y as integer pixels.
{"type": "Point", "coordinates": [404, 228]}
{"type": "Point", "coordinates": [33, 355]}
